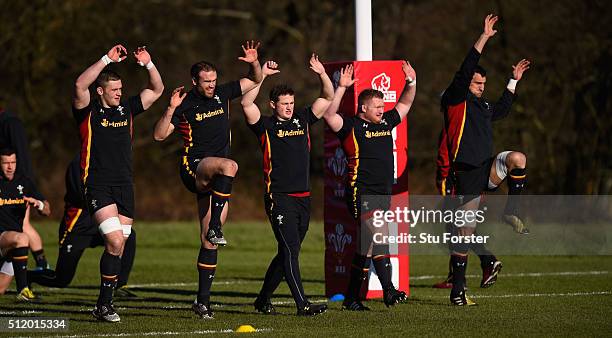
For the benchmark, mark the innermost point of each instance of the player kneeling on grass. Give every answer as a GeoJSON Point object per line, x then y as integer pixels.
{"type": "Point", "coordinates": [370, 173]}
{"type": "Point", "coordinates": [284, 139]}
{"type": "Point", "coordinates": [17, 197]}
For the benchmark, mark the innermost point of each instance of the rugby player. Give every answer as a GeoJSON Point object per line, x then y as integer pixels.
{"type": "Point", "coordinates": [202, 119]}
{"type": "Point", "coordinates": [284, 138]}
{"type": "Point", "coordinates": [13, 135]}
{"type": "Point", "coordinates": [105, 129]}
{"type": "Point", "coordinates": [17, 195]}
{"type": "Point", "coordinates": [368, 144]}
{"type": "Point", "coordinates": [468, 140]}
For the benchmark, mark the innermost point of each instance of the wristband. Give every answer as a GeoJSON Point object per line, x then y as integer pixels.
{"type": "Point", "coordinates": [147, 66]}
{"type": "Point", "coordinates": [512, 84]}
{"type": "Point", "coordinates": [40, 206]}
{"type": "Point", "coordinates": [106, 60]}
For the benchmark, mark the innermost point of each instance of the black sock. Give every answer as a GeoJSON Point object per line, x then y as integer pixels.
{"type": "Point", "coordinates": [221, 192]}
{"type": "Point", "coordinates": [109, 271]}
{"type": "Point", "coordinates": [39, 257]}
{"type": "Point", "coordinates": [382, 264]}
{"type": "Point", "coordinates": [20, 267]}
{"type": "Point", "coordinates": [207, 265]}
{"type": "Point", "coordinates": [459, 264]}
{"type": "Point", "coordinates": [127, 259]}
{"type": "Point", "coordinates": [359, 273]}
{"type": "Point", "coordinates": [516, 182]}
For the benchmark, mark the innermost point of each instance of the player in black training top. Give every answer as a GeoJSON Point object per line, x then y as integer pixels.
{"type": "Point", "coordinates": [284, 138]}
{"type": "Point", "coordinates": [13, 135]}
{"type": "Point", "coordinates": [368, 144]}
{"type": "Point", "coordinates": [202, 119]}
{"type": "Point", "coordinates": [77, 231]}
{"type": "Point", "coordinates": [17, 196]}
{"type": "Point", "coordinates": [468, 138]}
{"type": "Point", "coordinates": [106, 131]}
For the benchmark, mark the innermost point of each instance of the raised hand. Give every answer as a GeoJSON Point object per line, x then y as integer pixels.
{"type": "Point", "coordinates": [177, 98]}
{"type": "Point", "coordinates": [142, 56]}
{"type": "Point", "coordinates": [270, 68]}
{"type": "Point", "coordinates": [316, 65]}
{"type": "Point", "coordinates": [117, 54]}
{"type": "Point", "coordinates": [250, 52]}
{"type": "Point", "coordinates": [408, 72]}
{"type": "Point", "coordinates": [346, 77]}
{"type": "Point", "coordinates": [520, 68]}
{"type": "Point", "coordinates": [489, 22]}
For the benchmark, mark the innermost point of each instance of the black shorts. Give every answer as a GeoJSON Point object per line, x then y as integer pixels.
{"type": "Point", "coordinates": [359, 207]}
{"type": "Point", "coordinates": [187, 170]}
{"type": "Point", "coordinates": [97, 197]}
{"type": "Point", "coordinates": [472, 180]}
{"type": "Point", "coordinates": [284, 210]}
{"type": "Point", "coordinates": [77, 228]}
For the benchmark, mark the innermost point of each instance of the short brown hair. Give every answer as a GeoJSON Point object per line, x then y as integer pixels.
{"type": "Point", "coordinates": [368, 94]}
{"type": "Point", "coordinates": [106, 76]}
{"type": "Point", "coordinates": [201, 66]}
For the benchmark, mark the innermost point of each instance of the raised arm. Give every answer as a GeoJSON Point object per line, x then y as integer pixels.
{"type": "Point", "coordinates": [487, 32]}
{"type": "Point", "coordinates": [81, 87]}
{"type": "Point", "coordinates": [164, 126]}
{"type": "Point", "coordinates": [331, 116]}
{"type": "Point", "coordinates": [407, 97]}
{"type": "Point", "coordinates": [252, 113]}
{"type": "Point", "coordinates": [459, 87]}
{"type": "Point", "coordinates": [255, 75]}
{"type": "Point", "coordinates": [502, 107]}
{"type": "Point", "coordinates": [155, 88]}
{"type": "Point", "coordinates": [319, 106]}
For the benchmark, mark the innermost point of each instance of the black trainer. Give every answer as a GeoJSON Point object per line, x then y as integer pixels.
{"type": "Point", "coordinates": [355, 305]}
{"type": "Point", "coordinates": [106, 313]}
{"type": "Point", "coordinates": [264, 307]}
{"type": "Point", "coordinates": [202, 310]}
{"type": "Point", "coordinates": [392, 296]}
{"type": "Point", "coordinates": [215, 236]}
{"type": "Point", "coordinates": [310, 309]}
{"type": "Point", "coordinates": [460, 299]}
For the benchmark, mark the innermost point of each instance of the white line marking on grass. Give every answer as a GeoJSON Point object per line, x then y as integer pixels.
{"type": "Point", "coordinates": [523, 274]}
{"type": "Point", "coordinates": [570, 294]}
{"type": "Point", "coordinates": [515, 295]}
{"type": "Point", "coordinates": [223, 282]}
{"type": "Point", "coordinates": [166, 333]}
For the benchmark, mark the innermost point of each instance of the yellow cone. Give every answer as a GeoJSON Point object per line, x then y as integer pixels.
{"type": "Point", "coordinates": [245, 329]}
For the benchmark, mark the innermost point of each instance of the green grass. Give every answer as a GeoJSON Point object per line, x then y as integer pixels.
{"type": "Point", "coordinates": [517, 305]}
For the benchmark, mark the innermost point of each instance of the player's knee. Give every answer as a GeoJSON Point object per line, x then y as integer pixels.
{"type": "Point", "coordinates": [229, 168]}
{"type": "Point", "coordinates": [516, 159]}
{"type": "Point", "coordinates": [114, 246]}
{"type": "Point", "coordinates": [208, 245]}
{"type": "Point", "coordinates": [22, 240]}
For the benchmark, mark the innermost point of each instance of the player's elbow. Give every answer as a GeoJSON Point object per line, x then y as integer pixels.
{"type": "Point", "coordinates": [159, 137]}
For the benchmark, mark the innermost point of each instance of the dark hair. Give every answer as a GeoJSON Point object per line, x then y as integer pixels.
{"type": "Point", "coordinates": [478, 69]}
{"type": "Point", "coordinates": [368, 94]}
{"type": "Point", "coordinates": [7, 151]}
{"type": "Point", "coordinates": [201, 66]}
{"type": "Point", "coordinates": [279, 90]}
{"type": "Point", "coordinates": [105, 76]}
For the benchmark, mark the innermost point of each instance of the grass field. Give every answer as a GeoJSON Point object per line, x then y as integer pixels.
{"type": "Point", "coordinates": [542, 295]}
